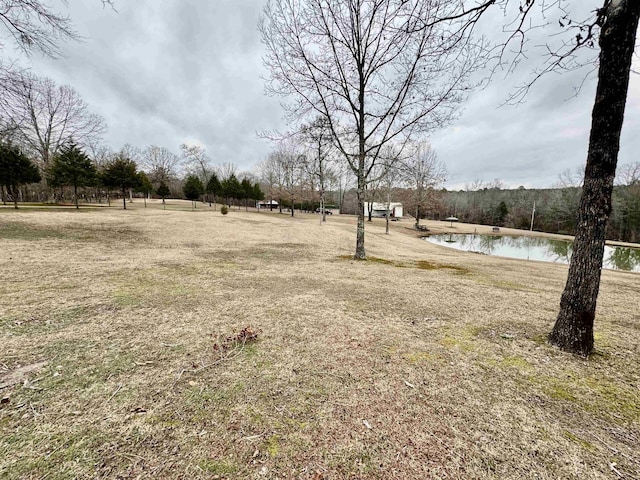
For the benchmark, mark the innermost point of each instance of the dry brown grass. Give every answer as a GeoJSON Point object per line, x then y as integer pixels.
{"type": "Point", "coordinates": [423, 362]}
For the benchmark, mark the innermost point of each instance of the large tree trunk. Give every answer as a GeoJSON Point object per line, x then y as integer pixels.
{"type": "Point", "coordinates": [573, 330]}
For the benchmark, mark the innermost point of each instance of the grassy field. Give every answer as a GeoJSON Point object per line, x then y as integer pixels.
{"type": "Point", "coordinates": [122, 354]}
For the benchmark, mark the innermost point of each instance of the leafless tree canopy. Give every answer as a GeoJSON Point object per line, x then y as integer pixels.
{"type": "Point", "coordinates": [421, 171]}
{"type": "Point", "coordinates": [196, 161]}
{"type": "Point", "coordinates": [44, 116]}
{"type": "Point", "coordinates": [160, 164]}
{"type": "Point", "coordinates": [33, 25]}
{"type": "Point", "coordinates": [378, 71]}
{"type": "Point", "coordinates": [374, 68]}
{"type": "Point", "coordinates": [283, 172]}
{"type": "Point", "coordinates": [628, 174]}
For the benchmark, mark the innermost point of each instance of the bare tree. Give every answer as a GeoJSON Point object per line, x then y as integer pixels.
{"type": "Point", "coordinates": [46, 116]}
{"type": "Point", "coordinates": [377, 70]}
{"type": "Point", "coordinates": [270, 175]}
{"type": "Point", "coordinates": [101, 154]}
{"type": "Point", "coordinates": [344, 180]}
{"type": "Point", "coordinates": [421, 171]}
{"type": "Point", "coordinates": [160, 164]}
{"type": "Point", "coordinates": [628, 174]}
{"type": "Point", "coordinates": [227, 169]}
{"type": "Point", "coordinates": [196, 162]}
{"type": "Point", "coordinates": [291, 164]}
{"type": "Point", "coordinates": [33, 25]}
{"type": "Point", "coordinates": [320, 140]}
{"type": "Point", "coordinates": [284, 172]}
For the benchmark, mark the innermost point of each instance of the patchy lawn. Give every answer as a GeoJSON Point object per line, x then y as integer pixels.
{"type": "Point", "coordinates": [123, 354]}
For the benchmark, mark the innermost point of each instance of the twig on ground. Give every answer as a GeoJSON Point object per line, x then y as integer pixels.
{"type": "Point", "coordinates": [613, 449]}
{"type": "Point", "coordinates": [114, 393]}
{"type": "Point", "coordinates": [235, 352]}
{"type": "Point", "coordinates": [613, 468]}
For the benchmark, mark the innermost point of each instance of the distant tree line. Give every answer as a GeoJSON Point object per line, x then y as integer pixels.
{"type": "Point", "coordinates": [555, 208]}
{"type": "Point", "coordinates": [80, 175]}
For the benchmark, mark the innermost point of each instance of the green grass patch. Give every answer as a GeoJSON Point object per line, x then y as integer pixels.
{"type": "Point", "coordinates": [515, 361]}
{"type": "Point", "coordinates": [80, 232]}
{"type": "Point", "coordinates": [273, 446]}
{"type": "Point", "coordinates": [418, 357]}
{"type": "Point", "coordinates": [27, 232]}
{"type": "Point", "coordinates": [126, 299]}
{"type": "Point", "coordinates": [590, 447]}
{"type": "Point", "coordinates": [56, 320]}
{"type": "Point", "coordinates": [218, 467]}
{"type": "Point", "coordinates": [426, 265]}
{"type": "Point", "coordinates": [61, 455]}
{"type": "Point", "coordinates": [419, 264]}
{"type": "Point", "coordinates": [559, 390]}
{"type": "Point", "coordinates": [383, 261]}
{"type": "Point", "coordinates": [618, 402]}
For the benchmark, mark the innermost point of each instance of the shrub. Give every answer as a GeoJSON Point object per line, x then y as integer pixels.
{"type": "Point", "coordinates": [224, 210]}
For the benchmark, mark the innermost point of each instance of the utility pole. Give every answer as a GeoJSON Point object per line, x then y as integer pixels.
{"type": "Point", "coordinates": [533, 214]}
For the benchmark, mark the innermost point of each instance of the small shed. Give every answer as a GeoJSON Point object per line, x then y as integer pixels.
{"type": "Point", "coordinates": [268, 204]}
{"type": "Point", "coordinates": [379, 209]}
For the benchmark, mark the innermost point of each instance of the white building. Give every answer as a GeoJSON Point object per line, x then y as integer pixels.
{"type": "Point", "coordinates": [267, 204]}
{"type": "Point", "coordinates": [380, 209]}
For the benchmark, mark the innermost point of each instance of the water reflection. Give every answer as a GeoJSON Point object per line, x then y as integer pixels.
{"type": "Point", "coordinates": [535, 248]}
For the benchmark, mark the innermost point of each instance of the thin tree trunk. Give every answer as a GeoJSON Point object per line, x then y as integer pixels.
{"type": "Point", "coordinates": [573, 330]}
{"type": "Point", "coordinates": [75, 194]}
{"type": "Point", "coordinates": [360, 251]}
{"type": "Point", "coordinates": [360, 174]}
{"type": "Point", "coordinates": [386, 230]}
{"type": "Point", "coordinates": [15, 196]}
{"type": "Point", "coordinates": [124, 198]}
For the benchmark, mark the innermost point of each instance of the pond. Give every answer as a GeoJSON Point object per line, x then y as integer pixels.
{"type": "Point", "coordinates": [535, 248]}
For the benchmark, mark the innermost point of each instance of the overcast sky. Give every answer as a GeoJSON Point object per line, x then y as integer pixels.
{"type": "Point", "coordinates": [190, 71]}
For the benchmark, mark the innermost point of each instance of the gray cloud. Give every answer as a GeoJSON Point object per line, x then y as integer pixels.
{"type": "Point", "coordinates": [190, 71]}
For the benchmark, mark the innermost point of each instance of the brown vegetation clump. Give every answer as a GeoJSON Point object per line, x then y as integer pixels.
{"type": "Point", "coordinates": [247, 335]}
